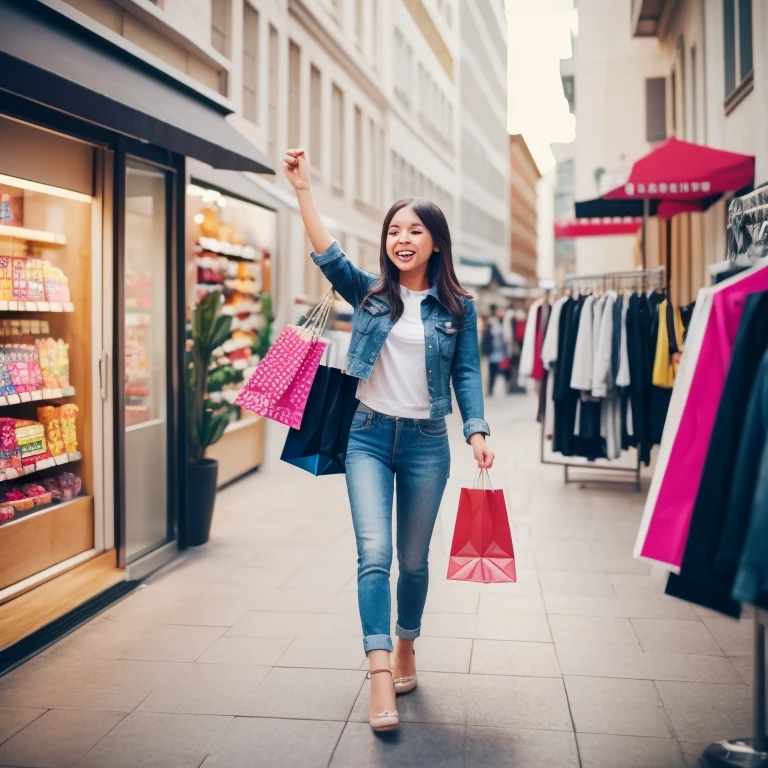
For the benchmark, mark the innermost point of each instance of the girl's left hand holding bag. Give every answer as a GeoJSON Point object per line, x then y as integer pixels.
{"type": "Point", "coordinates": [484, 456]}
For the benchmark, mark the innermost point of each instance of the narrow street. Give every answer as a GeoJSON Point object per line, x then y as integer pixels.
{"type": "Point", "coordinates": [248, 651]}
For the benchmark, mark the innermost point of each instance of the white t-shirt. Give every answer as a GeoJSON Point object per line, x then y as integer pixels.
{"type": "Point", "coordinates": [398, 382]}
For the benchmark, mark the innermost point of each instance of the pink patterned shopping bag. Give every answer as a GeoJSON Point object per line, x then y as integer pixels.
{"type": "Point", "coordinates": [279, 387]}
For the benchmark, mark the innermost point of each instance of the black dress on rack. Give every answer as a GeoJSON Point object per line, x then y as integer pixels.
{"type": "Point", "coordinates": [723, 505]}
{"type": "Point", "coordinates": [640, 361]}
{"type": "Point", "coordinates": [565, 398]}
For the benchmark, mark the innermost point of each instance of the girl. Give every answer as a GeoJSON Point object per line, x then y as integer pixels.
{"type": "Point", "coordinates": [414, 330]}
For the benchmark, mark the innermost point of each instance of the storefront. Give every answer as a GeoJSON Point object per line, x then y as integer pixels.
{"type": "Point", "coordinates": [231, 240]}
{"type": "Point", "coordinates": [92, 317]}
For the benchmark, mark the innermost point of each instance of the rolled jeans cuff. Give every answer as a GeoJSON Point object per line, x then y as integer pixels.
{"type": "Point", "coordinates": [407, 634]}
{"type": "Point", "coordinates": [377, 643]}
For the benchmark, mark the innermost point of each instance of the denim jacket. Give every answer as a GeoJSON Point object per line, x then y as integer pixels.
{"type": "Point", "coordinates": [451, 346]}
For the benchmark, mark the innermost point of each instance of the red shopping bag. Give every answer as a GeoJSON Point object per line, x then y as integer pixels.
{"type": "Point", "coordinates": [279, 387]}
{"type": "Point", "coordinates": [482, 541]}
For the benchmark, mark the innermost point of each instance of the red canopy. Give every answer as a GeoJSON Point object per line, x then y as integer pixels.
{"type": "Point", "coordinates": [679, 170]}
{"type": "Point", "coordinates": [595, 227]}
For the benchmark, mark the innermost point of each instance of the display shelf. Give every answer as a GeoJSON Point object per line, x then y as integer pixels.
{"type": "Point", "coordinates": [245, 308]}
{"type": "Point", "coordinates": [37, 396]}
{"type": "Point", "coordinates": [212, 245]}
{"type": "Point", "coordinates": [51, 239]}
{"type": "Point", "coordinates": [40, 509]}
{"type": "Point", "coordinates": [36, 306]}
{"type": "Point", "coordinates": [32, 469]}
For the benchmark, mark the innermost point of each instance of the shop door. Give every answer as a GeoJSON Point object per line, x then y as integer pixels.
{"type": "Point", "coordinates": [144, 302]}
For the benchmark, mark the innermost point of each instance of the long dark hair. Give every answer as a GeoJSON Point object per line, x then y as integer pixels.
{"type": "Point", "coordinates": [440, 271]}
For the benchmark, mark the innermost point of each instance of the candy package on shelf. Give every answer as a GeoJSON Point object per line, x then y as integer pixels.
{"type": "Point", "coordinates": [56, 284]}
{"type": "Point", "coordinates": [23, 365]}
{"type": "Point", "coordinates": [68, 415]}
{"type": "Point", "coordinates": [50, 418]}
{"type": "Point", "coordinates": [30, 436]}
{"type": "Point", "coordinates": [10, 453]}
{"type": "Point", "coordinates": [20, 288]}
{"type": "Point", "coordinates": [53, 358]}
{"type": "Point", "coordinates": [6, 278]}
{"type": "Point", "coordinates": [35, 285]}
{"type": "Point", "coordinates": [7, 513]}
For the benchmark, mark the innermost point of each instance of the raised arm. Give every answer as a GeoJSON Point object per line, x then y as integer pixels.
{"type": "Point", "coordinates": [296, 169]}
{"type": "Point", "coordinates": [348, 280]}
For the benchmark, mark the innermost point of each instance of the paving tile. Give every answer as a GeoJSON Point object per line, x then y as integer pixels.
{"type": "Point", "coordinates": [517, 702]}
{"type": "Point", "coordinates": [208, 689]}
{"type": "Point", "coordinates": [488, 627]}
{"type": "Point", "coordinates": [321, 577]}
{"type": "Point", "coordinates": [306, 694]}
{"type": "Point", "coordinates": [13, 719]}
{"type": "Point", "coordinates": [439, 698]}
{"type": "Point", "coordinates": [629, 585]}
{"type": "Point", "coordinates": [150, 739]}
{"type": "Point", "coordinates": [601, 751]}
{"type": "Point", "coordinates": [513, 604]}
{"type": "Point", "coordinates": [593, 632]}
{"type": "Point", "coordinates": [614, 706]}
{"type": "Point", "coordinates": [324, 653]}
{"type": "Point", "coordinates": [576, 583]}
{"type": "Point", "coordinates": [506, 657]}
{"type": "Point", "coordinates": [670, 636]}
{"type": "Point", "coordinates": [277, 624]}
{"type": "Point", "coordinates": [441, 654]}
{"type": "Point", "coordinates": [58, 738]}
{"type": "Point", "coordinates": [271, 743]}
{"type": "Point", "coordinates": [602, 662]}
{"type": "Point", "coordinates": [413, 745]}
{"type": "Point", "coordinates": [745, 666]}
{"type": "Point", "coordinates": [210, 611]}
{"type": "Point", "coordinates": [631, 608]}
{"type": "Point", "coordinates": [736, 638]}
{"type": "Point", "coordinates": [589, 561]}
{"type": "Point", "coordinates": [450, 601]}
{"type": "Point", "coordinates": [77, 683]}
{"type": "Point", "coordinates": [260, 651]}
{"type": "Point", "coordinates": [702, 712]}
{"type": "Point", "coordinates": [273, 576]}
{"type": "Point", "coordinates": [172, 643]}
{"type": "Point", "coordinates": [519, 748]}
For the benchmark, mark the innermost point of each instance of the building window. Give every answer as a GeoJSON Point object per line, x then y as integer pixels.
{"type": "Point", "coordinates": [373, 164]}
{"type": "Point", "coordinates": [250, 62]}
{"type": "Point", "coordinates": [359, 155]}
{"type": "Point", "coordinates": [274, 58]}
{"type": "Point", "coordinates": [737, 27]}
{"type": "Point", "coordinates": [694, 95]}
{"type": "Point", "coordinates": [569, 92]}
{"type": "Point", "coordinates": [294, 101]}
{"type": "Point", "coordinates": [315, 117]}
{"type": "Point", "coordinates": [221, 24]}
{"type": "Point", "coordinates": [359, 18]}
{"type": "Point", "coordinates": [374, 36]}
{"type": "Point", "coordinates": [337, 131]}
{"type": "Point", "coordinates": [656, 109]}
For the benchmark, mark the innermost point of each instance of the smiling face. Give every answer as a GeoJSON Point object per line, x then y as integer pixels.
{"type": "Point", "coordinates": [409, 242]}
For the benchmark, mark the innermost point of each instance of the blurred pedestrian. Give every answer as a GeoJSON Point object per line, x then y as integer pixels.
{"type": "Point", "coordinates": [495, 347]}
{"type": "Point", "coordinates": [414, 331]}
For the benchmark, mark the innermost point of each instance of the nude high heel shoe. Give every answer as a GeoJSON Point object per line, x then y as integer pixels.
{"type": "Point", "coordinates": [406, 683]}
{"type": "Point", "coordinates": [387, 720]}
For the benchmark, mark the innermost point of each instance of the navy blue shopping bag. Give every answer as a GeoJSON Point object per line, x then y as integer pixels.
{"type": "Point", "coordinates": [320, 445]}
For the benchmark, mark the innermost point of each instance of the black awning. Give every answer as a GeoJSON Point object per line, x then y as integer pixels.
{"type": "Point", "coordinates": [600, 208]}
{"type": "Point", "coordinates": [51, 60]}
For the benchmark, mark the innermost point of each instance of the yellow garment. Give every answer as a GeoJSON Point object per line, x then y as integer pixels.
{"type": "Point", "coordinates": [664, 368]}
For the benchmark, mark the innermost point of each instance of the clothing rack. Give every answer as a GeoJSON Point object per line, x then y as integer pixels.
{"type": "Point", "coordinates": [609, 281]}
{"type": "Point", "coordinates": [748, 753]}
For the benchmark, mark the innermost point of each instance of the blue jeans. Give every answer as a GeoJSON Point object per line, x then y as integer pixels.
{"type": "Point", "coordinates": [414, 455]}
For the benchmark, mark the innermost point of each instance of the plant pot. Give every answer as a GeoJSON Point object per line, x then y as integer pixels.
{"type": "Point", "coordinates": [201, 497]}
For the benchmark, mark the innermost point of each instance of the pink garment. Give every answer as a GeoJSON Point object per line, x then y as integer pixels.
{"type": "Point", "coordinates": [670, 513]}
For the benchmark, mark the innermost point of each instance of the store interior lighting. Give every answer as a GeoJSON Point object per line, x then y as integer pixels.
{"type": "Point", "coordinates": [34, 186]}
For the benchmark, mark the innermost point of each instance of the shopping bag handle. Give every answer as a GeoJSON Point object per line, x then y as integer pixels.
{"type": "Point", "coordinates": [316, 320]}
{"type": "Point", "coordinates": [484, 475]}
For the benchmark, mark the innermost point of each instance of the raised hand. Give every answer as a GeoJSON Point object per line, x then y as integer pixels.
{"type": "Point", "coordinates": [296, 168]}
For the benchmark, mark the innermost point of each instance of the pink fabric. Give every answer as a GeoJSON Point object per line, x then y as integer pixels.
{"type": "Point", "coordinates": [537, 374]}
{"type": "Point", "coordinates": [279, 387]}
{"type": "Point", "coordinates": [671, 517]}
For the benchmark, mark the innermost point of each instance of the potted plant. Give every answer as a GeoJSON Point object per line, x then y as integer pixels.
{"type": "Point", "coordinates": [205, 423]}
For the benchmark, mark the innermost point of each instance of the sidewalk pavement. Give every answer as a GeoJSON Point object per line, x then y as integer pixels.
{"type": "Point", "coordinates": [248, 652]}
